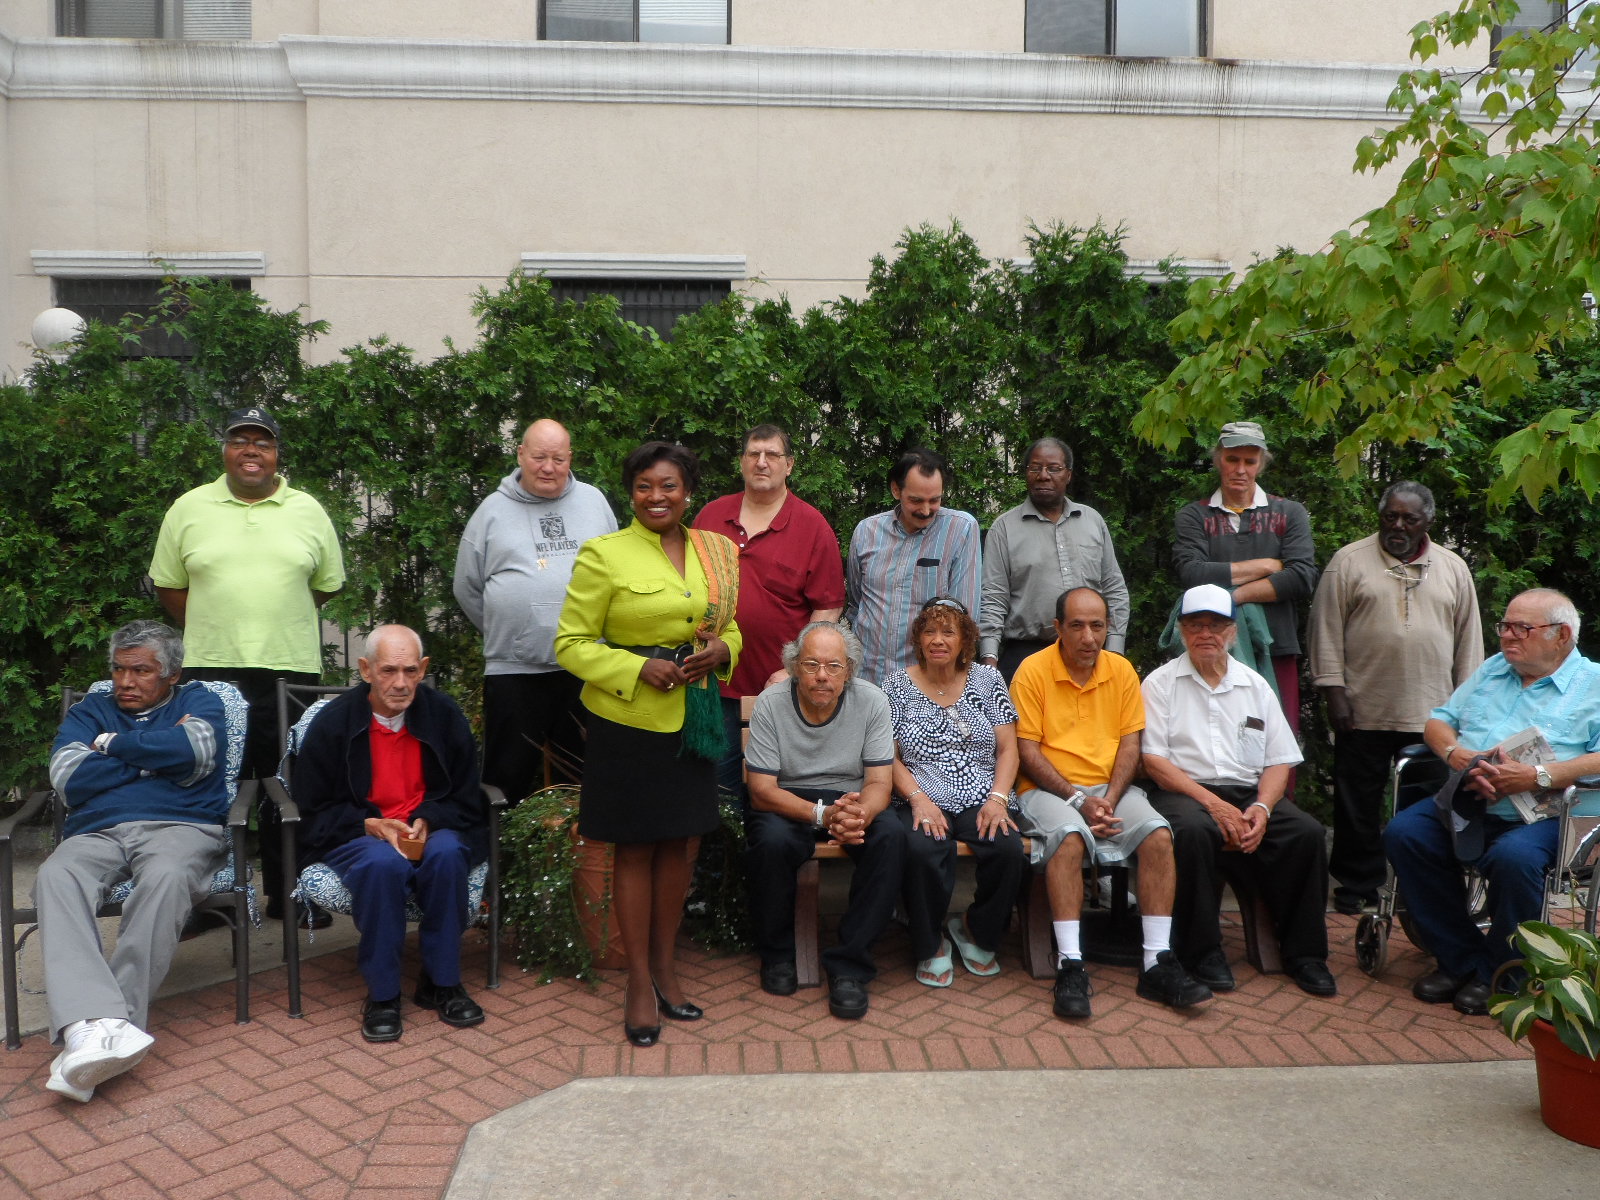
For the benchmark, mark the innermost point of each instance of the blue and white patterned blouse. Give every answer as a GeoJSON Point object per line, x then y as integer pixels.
{"type": "Point", "coordinates": [951, 751]}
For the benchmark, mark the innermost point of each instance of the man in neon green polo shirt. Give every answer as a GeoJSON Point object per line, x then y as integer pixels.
{"type": "Point", "coordinates": [242, 564]}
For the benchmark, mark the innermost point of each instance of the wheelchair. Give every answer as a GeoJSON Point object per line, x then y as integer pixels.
{"type": "Point", "coordinates": [1573, 880]}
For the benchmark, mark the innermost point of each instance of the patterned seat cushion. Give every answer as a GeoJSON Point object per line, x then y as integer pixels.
{"type": "Point", "coordinates": [321, 885]}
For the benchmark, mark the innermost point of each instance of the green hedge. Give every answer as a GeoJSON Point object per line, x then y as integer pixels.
{"type": "Point", "coordinates": [945, 348]}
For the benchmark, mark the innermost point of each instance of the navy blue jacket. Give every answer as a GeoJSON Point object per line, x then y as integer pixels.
{"type": "Point", "coordinates": [333, 773]}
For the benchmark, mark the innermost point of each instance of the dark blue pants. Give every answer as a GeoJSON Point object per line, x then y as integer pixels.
{"type": "Point", "coordinates": [1435, 890]}
{"type": "Point", "coordinates": [380, 880]}
{"type": "Point", "coordinates": [778, 846]}
{"type": "Point", "coordinates": [730, 771]}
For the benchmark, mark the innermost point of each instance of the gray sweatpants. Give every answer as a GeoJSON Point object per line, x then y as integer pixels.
{"type": "Point", "coordinates": [171, 863]}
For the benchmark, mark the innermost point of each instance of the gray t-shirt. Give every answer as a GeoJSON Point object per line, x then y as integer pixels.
{"type": "Point", "coordinates": [833, 755]}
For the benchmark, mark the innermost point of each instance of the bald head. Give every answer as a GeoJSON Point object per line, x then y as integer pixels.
{"type": "Point", "coordinates": [545, 457]}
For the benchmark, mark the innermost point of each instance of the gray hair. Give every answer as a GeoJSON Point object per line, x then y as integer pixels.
{"type": "Point", "coordinates": [369, 649]}
{"type": "Point", "coordinates": [165, 642]}
{"type": "Point", "coordinates": [1559, 608]}
{"type": "Point", "coordinates": [852, 647]}
{"type": "Point", "coordinates": [1053, 443]}
{"type": "Point", "coordinates": [1408, 487]}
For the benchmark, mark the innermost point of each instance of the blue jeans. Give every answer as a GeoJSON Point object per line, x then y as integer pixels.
{"type": "Point", "coordinates": [1432, 881]}
{"type": "Point", "coordinates": [380, 881]}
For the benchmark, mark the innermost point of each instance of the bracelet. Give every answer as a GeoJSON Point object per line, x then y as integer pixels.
{"type": "Point", "coordinates": [1000, 796]}
{"type": "Point", "coordinates": [1077, 798]}
{"type": "Point", "coordinates": [1449, 750]}
{"type": "Point", "coordinates": [1266, 808]}
{"type": "Point", "coordinates": [818, 817]}
{"type": "Point", "coordinates": [915, 794]}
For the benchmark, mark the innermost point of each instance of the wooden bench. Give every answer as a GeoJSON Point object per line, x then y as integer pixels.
{"type": "Point", "coordinates": [1033, 908]}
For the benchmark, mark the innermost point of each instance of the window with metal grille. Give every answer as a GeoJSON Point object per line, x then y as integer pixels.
{"type": "Point", "coordinates": [109, 300]}
{"type": "Point", "coordinates": [703, 21]}
{"type": "Point", "coordinates": [189, 20]}
{"type": "Point", "coordinates": [656, 303]}
{"type": "Point", "coordinates": [1131, 28]}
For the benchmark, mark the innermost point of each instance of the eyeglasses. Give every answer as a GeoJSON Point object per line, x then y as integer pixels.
{"type": "Point", "coordinates": [812, 666]}
{"type": "Point", "coordinates": [239, 443]}
{"type": "Point", "coordinates": [1521, 629]}
{"type": "Point", "coordinates": [766, 455]}
{"type": "Point", "coordinates": [946, 602]}
{"type": "Point", "coordinates": [1050, 469]}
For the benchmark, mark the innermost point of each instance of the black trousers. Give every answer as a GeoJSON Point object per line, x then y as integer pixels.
{"type": "Point", "coordinates": [776, 849]}
{"type": "Point", "coordinates": [1289, 868]}
{"type": "Point", "coordinates": [930, 880]}
{"type": "Point", "coordinates": [262, 752]}
{"type": "Point", "coordinates": [1362, 761]}
{"type": "Point", "coordinates": [1013, 652]}
{"type": "Point", "coordinates": [520, 714]}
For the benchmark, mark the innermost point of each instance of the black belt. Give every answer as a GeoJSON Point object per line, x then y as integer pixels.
{"type": "Point", "coordinates": [676, 654]}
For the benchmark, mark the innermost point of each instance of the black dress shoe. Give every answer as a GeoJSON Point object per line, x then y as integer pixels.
{"type": "Point", "coordinates": [847, 998]}
{"type": "Point", "coordinates": [455, 1007]}
{"type": "Point", "coordinates": [306, 916]}
{"type": "Point", "coordinates": [380, 1020]}
{"type": "Point", "coordinates": [642, 1035]}
{"type": "Point", "coordinates": [1439, 988]}
{"type": "Point", "coordinates": [1312, 975]}
{"type": "Point", "coordinates": [1213, 971]}
{"type": "Point", "coordinates": [779, 979]}
{"type": "Point", "coordinates": [1353, 904]}
{"type": "Point", "coordinates": [678, 1012]}
{"type": "Point", "coordinates": [1472, 999]}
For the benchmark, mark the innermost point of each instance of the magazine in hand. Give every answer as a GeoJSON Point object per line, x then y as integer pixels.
{"type": "Point", "coordinates": [1530, 748]}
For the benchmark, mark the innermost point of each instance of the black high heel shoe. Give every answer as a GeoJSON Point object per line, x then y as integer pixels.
{"type": "Point", "coordinates": [677, 1012]}
{"type": "Point", "coordinates": [642, 1035]}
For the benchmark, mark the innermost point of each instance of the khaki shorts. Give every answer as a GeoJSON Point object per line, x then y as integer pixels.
{"type": "Point", "coordinates": [1047, 820]}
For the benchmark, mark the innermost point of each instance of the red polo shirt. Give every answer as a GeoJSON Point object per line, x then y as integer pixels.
{"type": "Point", "coordinates": [786, 572]}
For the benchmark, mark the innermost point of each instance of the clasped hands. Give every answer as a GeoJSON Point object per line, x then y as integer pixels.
{"type": "Point", "coordinates": [1241, 830]}
{"type": "Point", "coordinates": [664, 675]}
{"type": "Point", "coordinates": [1498, 776]}
{"type": "Point", "coordinates": [845, 821]}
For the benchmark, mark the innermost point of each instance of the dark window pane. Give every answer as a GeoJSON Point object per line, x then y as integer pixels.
{"type": "Point", "coordinates": [1066, 27]}
{"type": "Point", "coordinates": [109, 300]}
{"type": "Point", "coordinates": [588, 20]}
{"type": "Point", "coordinates": [656, 303]}
{"type": "Point", "coordinates": [111, 18]}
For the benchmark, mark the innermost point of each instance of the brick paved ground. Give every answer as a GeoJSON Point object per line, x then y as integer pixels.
{"type": "Point", "coordinates": [286, 1108]}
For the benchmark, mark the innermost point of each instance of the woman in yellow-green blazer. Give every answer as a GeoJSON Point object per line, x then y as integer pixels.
{"type": "Point", "coordinates": [648, 620]}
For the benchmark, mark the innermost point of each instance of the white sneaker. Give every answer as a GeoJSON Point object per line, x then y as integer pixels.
{"type": "Point", "coordinates": [61, 1087]}
{"type": "Point", "coordinates": [97, 1050]}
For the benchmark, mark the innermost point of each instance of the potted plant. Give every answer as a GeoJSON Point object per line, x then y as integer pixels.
{"type": "Point", "coordinates": [1557, 1007]}
{"type": "Point", "coordinates": [555, 891]}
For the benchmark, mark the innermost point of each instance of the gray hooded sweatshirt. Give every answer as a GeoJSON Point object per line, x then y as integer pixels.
{"type": "Point", "coordinates": [514, 564]}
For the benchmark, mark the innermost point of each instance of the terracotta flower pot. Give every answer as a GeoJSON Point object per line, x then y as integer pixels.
{"type": "Point", "coordinates": [591, 886]}
{"type": "Point", "coordinates": [1569, 1087]}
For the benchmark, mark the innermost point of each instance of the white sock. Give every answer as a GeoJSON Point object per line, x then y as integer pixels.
{"type": "Point", "coordinates": [1157, 937]}
{"type": "Point", "coordinates": [1068, 939]}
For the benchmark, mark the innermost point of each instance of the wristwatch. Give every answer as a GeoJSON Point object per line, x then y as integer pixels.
{"type": "Point", "coordinates": [819, 817]}
{"type": "Point", "coordinates": [1077, 798]}
{"type": "Point", "coordinates": [1541, 776]}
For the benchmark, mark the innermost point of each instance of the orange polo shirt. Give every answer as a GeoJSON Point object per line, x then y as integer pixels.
{"type": "Point", "coordinates": [1077, 728]}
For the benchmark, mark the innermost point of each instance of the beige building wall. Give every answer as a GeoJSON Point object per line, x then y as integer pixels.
{"type": "Point", "coordinates": [378, 161]}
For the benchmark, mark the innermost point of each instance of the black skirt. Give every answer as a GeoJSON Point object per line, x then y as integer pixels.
{"type": "Point", "coordinates": [638, 788]}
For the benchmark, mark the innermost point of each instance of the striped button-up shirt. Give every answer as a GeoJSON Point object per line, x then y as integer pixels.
{"type": "Point", "coordinates": [890, 574]}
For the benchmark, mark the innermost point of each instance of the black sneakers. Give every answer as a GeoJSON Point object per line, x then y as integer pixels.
{"type": "Point", "coordinates": [1072, 990]}
{"type": "Point", "coordinates": [1167, 983]}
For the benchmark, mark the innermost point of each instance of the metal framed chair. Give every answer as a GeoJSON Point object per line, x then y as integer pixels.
{"type": "Point", "coordinates": [1418, 774]}
{"type": "Point", "coordinates": [320, 884]}
{"type": "Point", "coordinates": [232, 895]}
